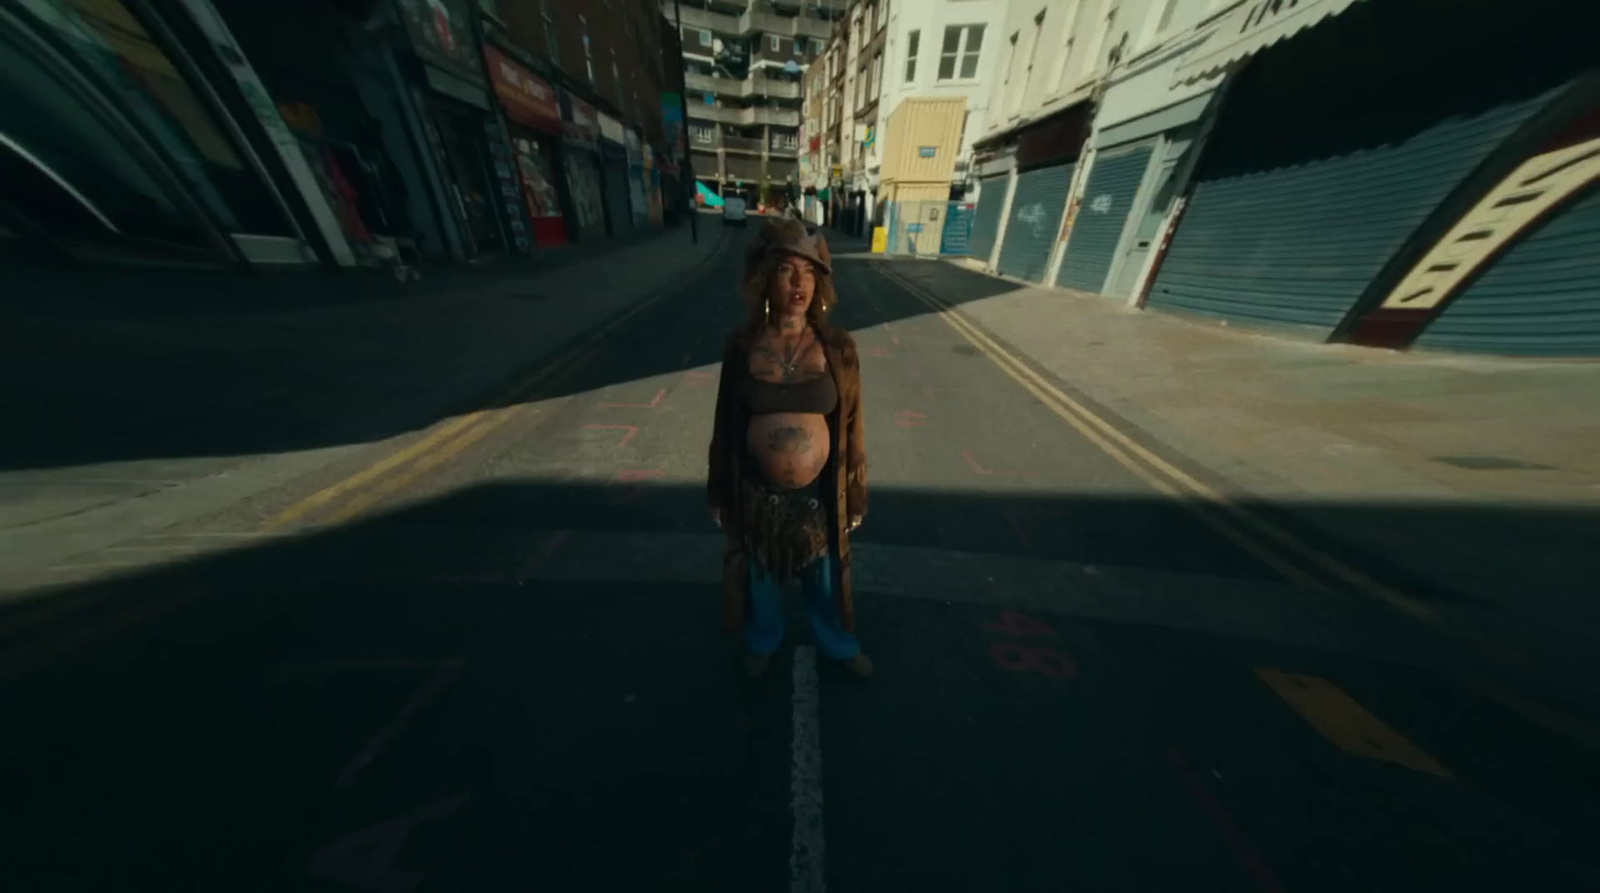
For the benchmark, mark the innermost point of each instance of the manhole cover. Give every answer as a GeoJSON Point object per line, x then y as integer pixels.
{"type": "Point", "coordinates": [1491, 463]}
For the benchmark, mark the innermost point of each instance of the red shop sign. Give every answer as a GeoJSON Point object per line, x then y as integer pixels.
{"type": "Point", "coordinates": [528, 98]}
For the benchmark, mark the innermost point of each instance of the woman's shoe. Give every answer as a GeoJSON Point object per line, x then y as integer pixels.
{"type": "Point", "coordinates": [859, 666]}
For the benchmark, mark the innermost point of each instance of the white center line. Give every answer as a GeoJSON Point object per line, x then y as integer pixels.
{"type": "Point", "coordinates": [806, 857]}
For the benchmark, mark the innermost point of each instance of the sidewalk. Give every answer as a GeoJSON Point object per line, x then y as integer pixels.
{"type": "Point", "coordinates": [1478, 478]}
{"type": "Point", "coordinates": [138, 399]}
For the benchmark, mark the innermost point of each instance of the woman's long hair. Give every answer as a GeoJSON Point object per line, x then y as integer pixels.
{"type": "Point", "coordinates": [761, 262]}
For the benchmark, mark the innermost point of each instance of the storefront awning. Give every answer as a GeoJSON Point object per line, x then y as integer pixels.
{"type": "Point", "coordinates": [1252, 27]}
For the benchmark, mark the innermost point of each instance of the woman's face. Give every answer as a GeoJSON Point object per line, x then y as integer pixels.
{"type": "Point", "coordinates": [794, 285]}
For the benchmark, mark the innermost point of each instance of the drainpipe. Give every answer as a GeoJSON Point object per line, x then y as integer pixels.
{"type": "Point", "coordinates": [687, 171]}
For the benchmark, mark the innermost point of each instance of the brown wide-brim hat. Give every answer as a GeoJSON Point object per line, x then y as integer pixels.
{"type": "Point", "coordinates": [789, 236]}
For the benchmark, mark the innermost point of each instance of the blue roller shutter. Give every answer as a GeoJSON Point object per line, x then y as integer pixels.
{"type": "Point", "coordinates": [986, 218]}
{"type": "Point", "coordinates": [1297, 244]}
{"type": "Point", "coordinates": [1097, 230]}
{"type": "Point", "coordinates": [1542, 297]}
{"type": "Point", "coordinates": [1035, 221]}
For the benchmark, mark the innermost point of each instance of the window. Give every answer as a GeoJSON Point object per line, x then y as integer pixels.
{"type": "Point", "coordinates": [705, 37]}
{"type": "Point", "coordinates": [913, 43]}
{"type": "Point", "coordinates": [1011, 64]}
{"type": "Point", "coordinates": [817, 46]}
{"type": "Point", "coordinates": [1064, 61]}
{"type": "Point", "coordinates": [588, 55]}
{"type": "Point", "coordinates": [616, 78]}
{"type": "Point", "coordinates": [550, 44]}
{"type": "Point", "coordinates": [775, 43]}
{"type": "Point", "coordinates": [962, 45]}
{"type": "Point", "coordinates": [1165, 21]}
{"type": "Point", "coordinates": [1033, 54]}
{"type": "Point", "coordinates": [877, 72]}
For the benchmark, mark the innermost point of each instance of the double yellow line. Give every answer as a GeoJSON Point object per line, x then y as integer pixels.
{"type": "Point", "coordinates": [349, 498]}
{"type": "Point", "coordinates": [1294, 559]}
{"type": "Point", "coordinates": [1299, 563]}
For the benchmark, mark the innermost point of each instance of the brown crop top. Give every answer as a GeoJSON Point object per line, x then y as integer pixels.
{"type": "Point", "coordinates": [816, 395]}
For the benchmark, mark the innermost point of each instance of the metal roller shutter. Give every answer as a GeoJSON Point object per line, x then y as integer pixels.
{"type": "Point", "coordinates": [986, 218]}
{"type": "Point", "coordinates": [1297, 244]}
{"type": "Point", "coordinates": [1541, 298]}
{"type": "Point", "coordinates": [1097, 231]}
{"type": "Point", "coordinates": [1035, 221]}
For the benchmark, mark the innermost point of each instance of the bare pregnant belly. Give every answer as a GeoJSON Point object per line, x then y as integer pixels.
{"type": "Point", "coordinates": [790, 448]}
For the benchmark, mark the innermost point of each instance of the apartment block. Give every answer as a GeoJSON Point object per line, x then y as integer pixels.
{"type": "Point", "coordinates": [744, 65]}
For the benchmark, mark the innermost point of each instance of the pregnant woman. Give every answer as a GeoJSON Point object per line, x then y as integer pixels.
{"type": "Point", "coordinates": [788, 475]}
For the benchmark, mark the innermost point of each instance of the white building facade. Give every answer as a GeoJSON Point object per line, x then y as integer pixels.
{"type": "Point", "coordinates": [1067, 73]}
{"type": "Point", "coordinates": [941, 49]}
{"type": "Point", "coordinates": [1349, 169]}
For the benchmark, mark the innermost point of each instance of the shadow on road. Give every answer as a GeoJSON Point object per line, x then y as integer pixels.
{"type": "Point", "coordinates": [149, 365]}
{"type": "Point", "coordinates": [516, 680]}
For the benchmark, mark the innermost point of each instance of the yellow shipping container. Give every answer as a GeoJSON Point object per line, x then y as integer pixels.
{"type": "Point", "coordinates": [921, 140]}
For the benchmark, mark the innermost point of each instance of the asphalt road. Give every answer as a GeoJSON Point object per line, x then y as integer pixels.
{"type": "Point", "coordinates": [506, 672]}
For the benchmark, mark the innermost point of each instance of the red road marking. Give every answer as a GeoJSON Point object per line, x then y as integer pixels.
{"type": "Point", "coordinates": [895, 339]}
{"type": "Point", "coordinates": [879, 352]}
{"type": "Point", "coordinates": [1021, 658]}
{"type": "Point", "coordinates": [631, 494]}
{"type": "Point", "coordinates": [910, 418]}
{"type": "Point", "coordinates": [621, 444]}
{"type": "Point", "coordinates": [697, 379]}
{"type": "Point", "coordinates": [1253, 864]}
{"type": "Point", "coordinates": [981, 471]}
{"type": "Point", "coordinates": [972, 460]}
{"type": "Point", "coordinates": [651, 405]}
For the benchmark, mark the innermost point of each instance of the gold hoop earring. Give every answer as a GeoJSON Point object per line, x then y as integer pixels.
{"type": "Point", "coordinates": [766, 311]}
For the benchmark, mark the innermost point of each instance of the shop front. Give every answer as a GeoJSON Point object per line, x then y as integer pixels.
{"type": "Point", "coordinates": [652, 174]}
{"type": "Point", "coordinates": [995, 171]}
{"type": "Point", "coordinates": [118, 147]}
{"type": "Point", "coordinates": [462, 132]}
{"type": "Point", "coordinates": [615, 179]}
{"type": "Point", "coordinates": [580, 161]}
{"type": "Point", "coordinates": [1144, 133]}
{"type": "Point", "coordinates": [533, 123]}
{"type": "Point", "coordinates": [1047, 161]}
{"type": "Point", "coordinates": [1342, 158]}
{"type": "Point", "coordinates": [638, 179]}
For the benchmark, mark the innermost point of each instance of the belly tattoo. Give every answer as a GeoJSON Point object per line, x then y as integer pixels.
{"type": "Point", "coordinates": [789, 439]}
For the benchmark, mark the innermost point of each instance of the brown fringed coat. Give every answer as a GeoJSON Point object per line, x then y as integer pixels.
{"type": "Point", "coordinates": [849, 454]}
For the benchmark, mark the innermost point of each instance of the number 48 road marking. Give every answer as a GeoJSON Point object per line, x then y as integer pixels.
{"type": "Point", "coordinates": [1024, 658]}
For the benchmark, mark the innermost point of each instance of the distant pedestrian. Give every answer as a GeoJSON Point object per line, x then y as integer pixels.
{"type": "Point", "coordinates": [788, 466]}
